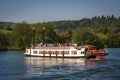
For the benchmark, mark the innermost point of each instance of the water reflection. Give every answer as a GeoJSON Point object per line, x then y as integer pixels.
{"type": "Point", "coordinates": [39, 61]}
{"type": "Point", "coordinates": [39, 66]}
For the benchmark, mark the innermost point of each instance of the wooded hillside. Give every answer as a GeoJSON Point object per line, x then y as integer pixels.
{"type": "Point", "coordinates": [98, 30]}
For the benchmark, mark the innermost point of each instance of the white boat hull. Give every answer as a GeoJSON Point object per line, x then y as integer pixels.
{"type": "Point", "coordinates": [56, 53]}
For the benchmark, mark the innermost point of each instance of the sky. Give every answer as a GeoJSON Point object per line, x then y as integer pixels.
{"type": "Point", "coordinates": [34, 11]}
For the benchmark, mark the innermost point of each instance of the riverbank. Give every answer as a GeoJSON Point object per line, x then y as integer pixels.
{"type": "Point", "coordinates": [12, 49]}
{"type": "Point", "coordinates": [19, 49]}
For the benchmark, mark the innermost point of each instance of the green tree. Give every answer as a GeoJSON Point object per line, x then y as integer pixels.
{"type": "Point", "coordinates": [113, 40]}
{"type": "Point", "coordinates": [66, 36]}
{"type": "Point", "coordinates": [3, 41]}
{"type": "Point", "coordinates": [103, 30]}
{"type": "Point", "coordinates": [84, 36]}
{"type": "Point", "coordinates": [103, 38]}
{"type": "Point", "coordinates": [44, 32]}
{"type": "Point", "coordinates": [22, 35]}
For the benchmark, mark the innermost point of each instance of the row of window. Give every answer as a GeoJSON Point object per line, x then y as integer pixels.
{"type": "Point", "coordinates": [82, 52]}
{"type": "Point", "coordinates": [57, 52]}
{"type": "Point", "coordinates": [51, 52]}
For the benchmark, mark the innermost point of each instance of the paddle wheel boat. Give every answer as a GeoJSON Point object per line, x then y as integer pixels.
{"type": "Point", "coordinates": [65, 51]}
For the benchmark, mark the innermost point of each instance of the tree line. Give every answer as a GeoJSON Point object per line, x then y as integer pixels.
{"type": "Point", "coordinates": [99, 30]}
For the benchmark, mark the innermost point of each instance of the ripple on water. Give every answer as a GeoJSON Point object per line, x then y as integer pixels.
{"type": "Point", "coordinates": [15, 66]}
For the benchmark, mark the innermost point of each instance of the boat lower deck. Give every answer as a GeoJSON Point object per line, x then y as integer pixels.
{"type": "Point", "coordinates": [56, 56]}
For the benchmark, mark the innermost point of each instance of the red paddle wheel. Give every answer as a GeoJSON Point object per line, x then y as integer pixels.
{"type": "Point", "coordinates": [95, 51]}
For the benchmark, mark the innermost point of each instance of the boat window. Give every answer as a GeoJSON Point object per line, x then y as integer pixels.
{"type": "Point", "coordinates": [57, 52]}
{"type": "Point", "coordinates": [47, 52]}
{"type": "Point", "coordinates": [26, 51]}
{"type": "Point", "coordinates": [66, 52]}
{"type": "Point", "coordinates": [82, 52]}
{"type": "Point", "coordinates": [60, 52]}
{"type": "Point", "coordinates": [35, 52]}
{"type": "Point", "coordinates": [53, 52]}
{"type": "Point", "coordinates": [40, 52]}
{"type": "Point", "coordinates": [74, 52]}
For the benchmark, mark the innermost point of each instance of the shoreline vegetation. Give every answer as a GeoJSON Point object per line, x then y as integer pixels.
{"type": "Point", "coordinates": [11, 49]}
{"type": "Point", "coordinates": [99, 30]}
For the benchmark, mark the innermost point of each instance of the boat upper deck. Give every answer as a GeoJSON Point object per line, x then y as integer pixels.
{"type": "Point", "coordinates": [57, 47]}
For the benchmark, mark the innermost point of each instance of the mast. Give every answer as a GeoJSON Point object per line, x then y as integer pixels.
{"type": "Point", "coordinates": [33, 36]}
{"type": "Point", "coordinates": [44, 35]}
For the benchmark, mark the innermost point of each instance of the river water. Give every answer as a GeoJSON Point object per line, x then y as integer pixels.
{"type": "Point", "coordinates": [15, 66]}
